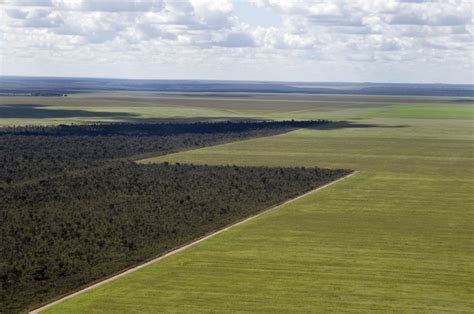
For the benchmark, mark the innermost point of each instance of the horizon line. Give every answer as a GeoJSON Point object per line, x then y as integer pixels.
{"type": "Point", "coordinates": [227, 80]}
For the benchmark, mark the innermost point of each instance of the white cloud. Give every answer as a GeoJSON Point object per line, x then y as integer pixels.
{"type": "Point", "coordinates": [237, 39]}
{"type": "Point", "coordinates": [31, 3]}
{"type": "Point", "coordinates": [312, 35]}
{"type": "Point", "coordinates": [118, 6]}
{"type": "Point", "coordinates": [16, 13]}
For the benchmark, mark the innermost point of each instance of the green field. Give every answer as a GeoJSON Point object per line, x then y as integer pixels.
{"type": "Point", "coordinates": [396, 237]}
{"type": "Point", "coordinates": [148, 106]}
{"type": "Point", "coordinates": [443, 112]}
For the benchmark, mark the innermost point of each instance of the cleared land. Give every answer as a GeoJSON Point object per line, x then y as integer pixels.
{"type": "Point", "coordinates": [146, 106]}
{"type": "Point", "coordinates": [396, 237]}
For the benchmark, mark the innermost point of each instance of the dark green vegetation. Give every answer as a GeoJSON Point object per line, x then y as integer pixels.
{"type": "Point", "coordinates": [67, 220]}
{"type": "Point", "coordinates": [37, 152]}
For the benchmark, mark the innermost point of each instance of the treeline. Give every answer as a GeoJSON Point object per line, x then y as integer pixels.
{"type": "Point", "coordinates": [31, 157]}
{"type": "Point", "coordinates": [64, 232]}
{"type": "Point", "coordinates": [161, 129]}
{"type": "Point", "coordinates": [37, 152]}
{"type": "Point", "coordinates": [74, 208]}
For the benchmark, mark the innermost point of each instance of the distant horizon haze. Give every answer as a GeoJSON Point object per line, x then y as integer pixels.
{"type": "Point", "coordinates": [229, 80]}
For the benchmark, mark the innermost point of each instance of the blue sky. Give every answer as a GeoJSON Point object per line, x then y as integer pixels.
{"type": "Point", "coordinates": [288, 40]}
{"type": "Point", "coordinates": [256, 16]}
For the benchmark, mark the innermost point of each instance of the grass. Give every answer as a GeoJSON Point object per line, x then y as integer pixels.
{"type": "Point", "coordinates": [146, 106]}
{"type": "Point", "coordinates": [303, 148]}
{"type": "Point", "coordinates": [397, 237]}
{"type": "Point", "coordinates": [451, 111]}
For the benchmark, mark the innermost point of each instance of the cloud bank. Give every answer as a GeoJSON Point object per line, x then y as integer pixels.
{"type": "Point", "coordinates": [358, 40]}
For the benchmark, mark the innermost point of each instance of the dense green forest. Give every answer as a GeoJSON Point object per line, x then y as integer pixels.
{"type": "Point", "coordinates": [62, 233]}
{"type": "Point", "coordinates": [61, 228]}
{"type": "Point", "coordinates": [147, 129]}
{"type": "Point", "coordinates": [36, 152]}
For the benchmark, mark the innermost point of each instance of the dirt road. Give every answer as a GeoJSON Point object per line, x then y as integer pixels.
{"type": "Point", "coordinates": [184, 247]}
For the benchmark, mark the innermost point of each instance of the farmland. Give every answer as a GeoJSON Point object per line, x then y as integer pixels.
{"type": "Point", "coordinates": [236, 156]}
{"type": "Point", "coordinates": [148, 106]}
{"type": "Point", "coordinates": [398, 236]}
{"type": "Point", "coordinates": [76, 208]}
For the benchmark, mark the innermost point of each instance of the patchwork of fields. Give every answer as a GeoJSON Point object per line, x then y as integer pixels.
{"type": "Point", "coordinates": [147, 106]}
{"type": "Point", "coordinates": [398, 236]}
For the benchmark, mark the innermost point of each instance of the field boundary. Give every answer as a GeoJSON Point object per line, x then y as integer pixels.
{"type": "Point", "coordinates": [185, 246]}
{"type": "Point", "coordinates": [142, 158]}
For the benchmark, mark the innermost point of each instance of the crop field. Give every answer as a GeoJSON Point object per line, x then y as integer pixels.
{"type": "Point", "coordinates": [398, 236]}
{"type": "Point", "coordinates": [147, 106]}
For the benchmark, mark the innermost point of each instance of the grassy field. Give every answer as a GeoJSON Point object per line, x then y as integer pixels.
{"type": "Point", "coordinates": [441, 111]}
{"type": "Point", "coordinates": [146, 106]}
{"type": "Point", "coordinates": [398, 236]}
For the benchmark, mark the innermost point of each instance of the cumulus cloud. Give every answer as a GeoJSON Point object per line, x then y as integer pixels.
{"type": "Point", "coordinates": [16, 13]}
{"type": "Point", "coordinates": [115, 6]}
{"type": "Point", "coordinates": [314, 33]}
{"type": "Point", "coordinates": [31, 3]}
{"type": "Point", "coordinates": [237, 39]}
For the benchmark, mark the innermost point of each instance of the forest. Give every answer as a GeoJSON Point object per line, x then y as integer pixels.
{"type": "Point", "coordinates": [148, 129]}
{"type": "Point", "coordinates": [63, 228]}
{"type": "Point", "coordinates": [34, 152]}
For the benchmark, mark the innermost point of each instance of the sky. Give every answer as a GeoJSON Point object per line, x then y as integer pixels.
{"type": "Point", "coordinates": [408, 41]}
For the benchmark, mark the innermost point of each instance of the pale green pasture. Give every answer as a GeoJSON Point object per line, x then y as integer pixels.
{"type": "Point", "coordinates": [443, 112]}
{"type": "Point", "coordinates": [147, 106]}
{"type": "Point", "coordinates": [415, 150]}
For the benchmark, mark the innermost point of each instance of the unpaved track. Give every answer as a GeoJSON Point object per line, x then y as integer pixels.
{"type": "Point", "coordinates": [184, 247]}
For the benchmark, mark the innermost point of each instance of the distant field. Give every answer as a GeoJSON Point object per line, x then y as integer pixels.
{"type": "Point", "coordinates": [11, 85]}
{"type": "Point", "coordinates": [147, 106]}
{"type": "Point", "coordinates": [398, 236]}
{"type": "Point", "coordinates": [441, 111]}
